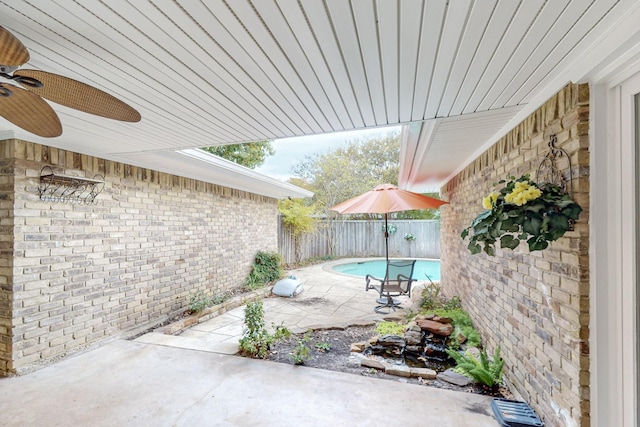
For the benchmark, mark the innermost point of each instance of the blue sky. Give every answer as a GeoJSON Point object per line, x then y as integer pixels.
{"type": "Point", "coordinates": [290, 151]}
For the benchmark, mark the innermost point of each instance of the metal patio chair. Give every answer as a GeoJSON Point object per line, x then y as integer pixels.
{"type": "Point", "coordinates": [397, 281]}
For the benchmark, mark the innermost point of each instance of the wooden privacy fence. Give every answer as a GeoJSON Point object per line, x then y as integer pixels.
{"type": "Point", "coordinates": [362, 239]}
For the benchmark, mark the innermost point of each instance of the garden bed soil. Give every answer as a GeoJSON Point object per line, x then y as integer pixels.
{"type": "Point", "coordinates": [336, 359]}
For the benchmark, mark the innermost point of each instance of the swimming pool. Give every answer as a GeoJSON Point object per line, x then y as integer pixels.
{"type": "Point", "coordinates": [376, 268]}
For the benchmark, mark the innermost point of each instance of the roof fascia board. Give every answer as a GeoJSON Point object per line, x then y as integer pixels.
{"type": "Point", "coordinates": [415, 142]}
{"type": "Point", "coordinates": [235, 169]}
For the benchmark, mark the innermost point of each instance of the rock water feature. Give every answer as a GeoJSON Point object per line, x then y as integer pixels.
{"type": "Point", "coordinates": [420, 352]}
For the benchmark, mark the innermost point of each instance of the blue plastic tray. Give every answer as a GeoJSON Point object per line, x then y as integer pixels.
{"type": "Point", "coordinates": [511, 413]}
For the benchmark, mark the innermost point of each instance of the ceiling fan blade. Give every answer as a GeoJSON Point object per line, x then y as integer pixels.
{"type": "Point", "coordinates": [29, 111]}
{"type": "Point", "coordinates": [12, 51]}
{"type": "Point", "coordinates": [79, 96]}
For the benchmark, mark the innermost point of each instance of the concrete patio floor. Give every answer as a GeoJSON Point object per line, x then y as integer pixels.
{"type": "Point", "coordinates": [190, 381]}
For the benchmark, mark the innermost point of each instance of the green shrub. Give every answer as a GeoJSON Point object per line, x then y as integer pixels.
{"type": "Point", "coordinates": [219, 298]}
{"type": "Point", "coordinates": [431, 297]}
{"type": "Point", "coordinates": [256, 340]}
{"type": "Point", "coordinates": [452, 303]}
{"type": "Point", "coordinates": [198, 302]}
{"type": "Point", "coordinates": [482, 370]}
{"type": "Point", "coordinates": [462, 324]}
{"type": "Point", "coordinates": [390, 328]}
{"type": "Point", "coordinates": [267, 268]}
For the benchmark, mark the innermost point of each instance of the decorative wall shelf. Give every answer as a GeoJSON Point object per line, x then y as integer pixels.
{"type": "Point", "coordinates": [69, 189]}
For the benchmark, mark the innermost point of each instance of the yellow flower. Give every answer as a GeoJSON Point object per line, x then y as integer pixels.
{"type": "Point", "coordinates": [522, 193]}
{"type": "Point", "coordinates": [490, 201]}
{"type": "Point", "coordinates": [533, 193]}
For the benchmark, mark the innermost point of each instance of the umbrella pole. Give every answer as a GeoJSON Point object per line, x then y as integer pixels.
{"type": "Point", "coordinates": [386, 238]}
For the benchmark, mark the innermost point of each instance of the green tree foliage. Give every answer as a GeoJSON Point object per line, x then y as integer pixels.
{"type": "Point", "coordinates": [348, 171]}
{"type": "Point", "coordinates": [298, 216]}
{"type": "Point", "coordinates": [249, 154]}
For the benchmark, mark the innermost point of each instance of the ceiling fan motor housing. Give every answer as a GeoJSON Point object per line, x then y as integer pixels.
{"type": "Point", "coordinates": [7, 69]}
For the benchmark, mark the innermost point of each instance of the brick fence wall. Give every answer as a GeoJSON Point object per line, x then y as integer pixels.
{"type": "Point", "coordinates": [534, 305]}
{"type": "Point", "coordinates": [74, 275]}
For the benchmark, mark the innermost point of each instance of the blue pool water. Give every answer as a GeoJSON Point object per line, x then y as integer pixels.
{"type": "Point", "coordinates": [377, 269]}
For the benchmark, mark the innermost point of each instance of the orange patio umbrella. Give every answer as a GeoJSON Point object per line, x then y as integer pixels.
{"type": "Point", "coordinates": [384, 199]}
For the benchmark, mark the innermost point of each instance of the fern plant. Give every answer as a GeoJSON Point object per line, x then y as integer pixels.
{"type": "Point", "coordinates": [481, 370]}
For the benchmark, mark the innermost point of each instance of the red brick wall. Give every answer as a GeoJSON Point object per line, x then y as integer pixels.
{"type": "Point", "coordinates": [534, 305]}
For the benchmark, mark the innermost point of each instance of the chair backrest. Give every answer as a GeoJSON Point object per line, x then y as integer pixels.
{"type": "Point", "coordinates": [400, 267]}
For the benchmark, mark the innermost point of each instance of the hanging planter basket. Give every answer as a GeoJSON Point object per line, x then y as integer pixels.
{"type": "Point", "coordinates": [391, 228]}
{"type": "Point", "coordinates": [522, 210]}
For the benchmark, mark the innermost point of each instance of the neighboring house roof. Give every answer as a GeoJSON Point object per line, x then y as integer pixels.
{"type": "Point", "coordinates": [212, 72]}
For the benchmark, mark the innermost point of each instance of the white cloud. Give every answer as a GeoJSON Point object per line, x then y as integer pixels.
{"type": "Point", "coordinates": [291, 151]}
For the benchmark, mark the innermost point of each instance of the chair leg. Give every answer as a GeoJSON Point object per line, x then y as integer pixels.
{"type": "Point", "coordinates": [387, 303]}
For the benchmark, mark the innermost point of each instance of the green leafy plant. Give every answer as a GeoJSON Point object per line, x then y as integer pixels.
{"type": "Point", "coordinates": [481, 369]}
{"type": "Point", "coordinates": [219, 298]}
{"type": "Point", "coordinates": [462, 325]}
{"type": "Point", "coordinates": [302, 351]}
{"type": "Point", "coordinates": [323, 347]}
{"type": "Point", "coordinates": [409, 237]}
{"type": "Point", "coordinates": [266, 268]}
{"type": "Point", "coordinates": [430, 297]}
{"type": "Point", "coordinates": [522, 210]}
{"type": "Point", "coordinates": [452, 303]}
{"type": "Point", "coordinates": [198, 302]}
{"type": "Point", "coordinates": [390, 328]}
{"type": "Point", "coordinates": [256, 340]}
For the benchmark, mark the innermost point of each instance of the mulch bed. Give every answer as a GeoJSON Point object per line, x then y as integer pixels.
{"type": "Point", "coordinates": [337, 357]}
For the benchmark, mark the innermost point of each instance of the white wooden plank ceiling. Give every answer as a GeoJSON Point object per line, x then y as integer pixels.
{"type": "Point", "coordinates": [215, 72]}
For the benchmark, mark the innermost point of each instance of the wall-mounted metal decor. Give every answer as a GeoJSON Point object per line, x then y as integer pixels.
{"type": "Point", "coordinates": [548, 170]}
{"type": "Point", "coordinates": [69, 189]}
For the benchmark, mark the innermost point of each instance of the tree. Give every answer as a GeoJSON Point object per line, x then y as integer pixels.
{"type": "Point", "coordinates": [348, 171]}
{"type": "Point", "coordinates": [248, 154]}
{"type": "Point", "coordinates": [297, 215]}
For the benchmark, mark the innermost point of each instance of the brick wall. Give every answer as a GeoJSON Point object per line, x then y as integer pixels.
{"type": "Point", "coordinates": [6, 260]}
{"type": "Point", "coordinates": [534, 305]}
{"type": "Point", "coordinates": [85, 273]}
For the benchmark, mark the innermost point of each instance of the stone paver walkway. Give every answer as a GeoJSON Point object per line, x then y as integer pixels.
{"type": "Point", "coordinates": [328, 299]}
